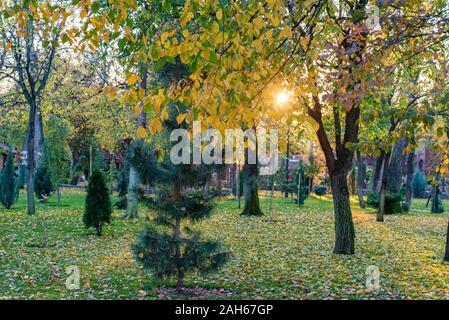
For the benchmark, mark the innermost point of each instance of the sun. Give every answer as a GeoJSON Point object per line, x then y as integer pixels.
{"type": "Point", "coordinates": [282, 98]}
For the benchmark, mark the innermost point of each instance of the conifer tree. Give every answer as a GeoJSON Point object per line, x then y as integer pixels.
{"type": "Point", "coordinates": [98, 203]}
{"type": "Point", "coordinates": [167, 247]}
{"type": "Point", "coordinates": [9, 188]}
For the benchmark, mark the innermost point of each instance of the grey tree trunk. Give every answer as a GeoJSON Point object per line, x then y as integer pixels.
{"type": "Point", "coordinates": [383, 189]}
{"type": "Point", "coordinates": [132, 206]}
{"type": "Point", "coordinates": [436, 201]}
{"type": "Point", "coordinates": [361, 175]}
{"type": "Point", "coordinates": [344, 226]}
{"type": "Point", "coordinates": [287, 162]}
{"type": "Point", "coordinates": [250, 192]}
{"type": "Point", "coordinates": [410, 172]}
{"type": "Point", "coordinates": [31, 209]}
{"type": "Point", "coordinates": [377, 172]}
{"type": "Point", "coordinates": [396, 166]}
{"type": "Point", "coordinates": [133, 197]}
{"type": "Point", "coordinates": [38, 137]}
{"type": "Point", "coordinates": [446, 253]}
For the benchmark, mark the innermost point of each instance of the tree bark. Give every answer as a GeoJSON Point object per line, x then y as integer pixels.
{"type": "Point", "coordinates": [39, 137]}
{"type": "Point", "coordinates": [396, 166]}
{"type": "Point", "coordinates": [383, 189]}
{"type": "Point", "coordinates": [287, 161]}
{"type": "Point", "coordinates": [132, 206]}
{"type": "Point", "coordinates": [133, 197]}
{"type": "Point", "coordinates": [177, 236]}
{"type": "Point", "coordinates": [361, 174]}
{"type": "Point", "coordinates": [31, 209]}
{"type": "Point", "coordinates": [377, 172]}
{"type": "Point", "coordinates": [250, 192]}
{"type": "Point", "coordinates": [436, 205]}
{"type": "Point", "coordinates": [446, 253]}
{"type": "Point", "coordinates": [410, 172]}
{"type": "Point", "coordinates": [344, 226]}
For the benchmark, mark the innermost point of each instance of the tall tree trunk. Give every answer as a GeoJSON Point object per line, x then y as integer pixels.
{"type": "Point", "coordinates": [250, 187]}
{"type": "Point", "coordinates": [377, 172]}
{"type": "Point", "coordinates": [287, 161]}
{"type": "Point", "coordinates": [271, 198]}
{"type": "Point", "coordinates": [31, 209]}
{"type": "Point", "coordinates": [352, 176]}
{"type": "Point", "coordinates": [410, 172]}
{"type": "Point", "coordinates": [383, 189]}
{"type": "Point", "coordinates": [344, 226]}
{"type": "Point", "coordinates": [361, 174]}
{"type": "Point", "coordinates": [436, 202]}
{"type": "Point", "coordinates": [133, 197]}
{"type": "Point", "coordinates": [177, 235]}
{"type": "Point", "coordinates": [396, 166]}
{"type": "Point", "coordinates": [237, 184]}
{"type": "Point", "coordinates": [250, 192]}
{"type": "Point", "coordinates": [446, 253]}
{"type": "Point", "coordinates": [132, 206]}
{"type": "Point", "coordinates": [39, 137]}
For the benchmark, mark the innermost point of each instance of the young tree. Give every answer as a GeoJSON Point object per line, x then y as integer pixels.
{"type": "Point", "coordinates": [98, 208]}
{"type": "Point", "coordinates": [9, 188]}
{"type": "Point", "coordinates": [419, 184]}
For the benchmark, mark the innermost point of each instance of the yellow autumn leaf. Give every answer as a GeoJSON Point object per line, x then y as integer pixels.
{"type": "Point", "coordinates": [164, 115]}
{"type": "Point", "coordinates": [155, 126]}
{"type": "Point", "coordinates": [180, 118]}
{"type": "Point", "coordinates": [219, 14]}
{"type": "Point", "coordinates": [141, 133]}
{"type": "Point", "coordinates": [131, 79]}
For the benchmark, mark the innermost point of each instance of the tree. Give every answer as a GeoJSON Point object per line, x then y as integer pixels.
{"type": "Point", "coordinates": [57, 151]}
{"type": "Point", "coordinates": [9, 188]}
{"type": "Point", "coordinates": [171, 250]}
{"type": "Point", "coordinates": [98, 203]}
{"type": "Point", "coordinates": [31, 34]}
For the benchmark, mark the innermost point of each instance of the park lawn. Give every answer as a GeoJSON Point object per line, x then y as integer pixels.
{"type": "Point", "coordinates": [288, 258]}
{"type": "Point", "coordinates": [420, 205]}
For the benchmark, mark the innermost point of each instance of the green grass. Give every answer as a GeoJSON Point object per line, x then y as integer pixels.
{"type": "Point", "coordinates": [290, 258]}
{"type": "Point", "coordinates": [419, 205]}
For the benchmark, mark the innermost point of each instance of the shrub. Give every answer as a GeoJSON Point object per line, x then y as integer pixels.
{"type": "Point", "coordinates": [42, 182]}
{"type": "Point", "coordinates": [22, 176]}
{"type": "Point", "coordinates": [9, 188]}
{"type": "Point", "coordinates": [393, 201]}
{"type": "Point", "coordinates": [419, 185]}
{"type": "Point", "coordinates": [319, 190]}
{"type": "Point", "coordinates": [98, 203]}
{"type": "Point", "coordinates": [122, 189]}
{"type": "Point", "coordinates": [372, 200]}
